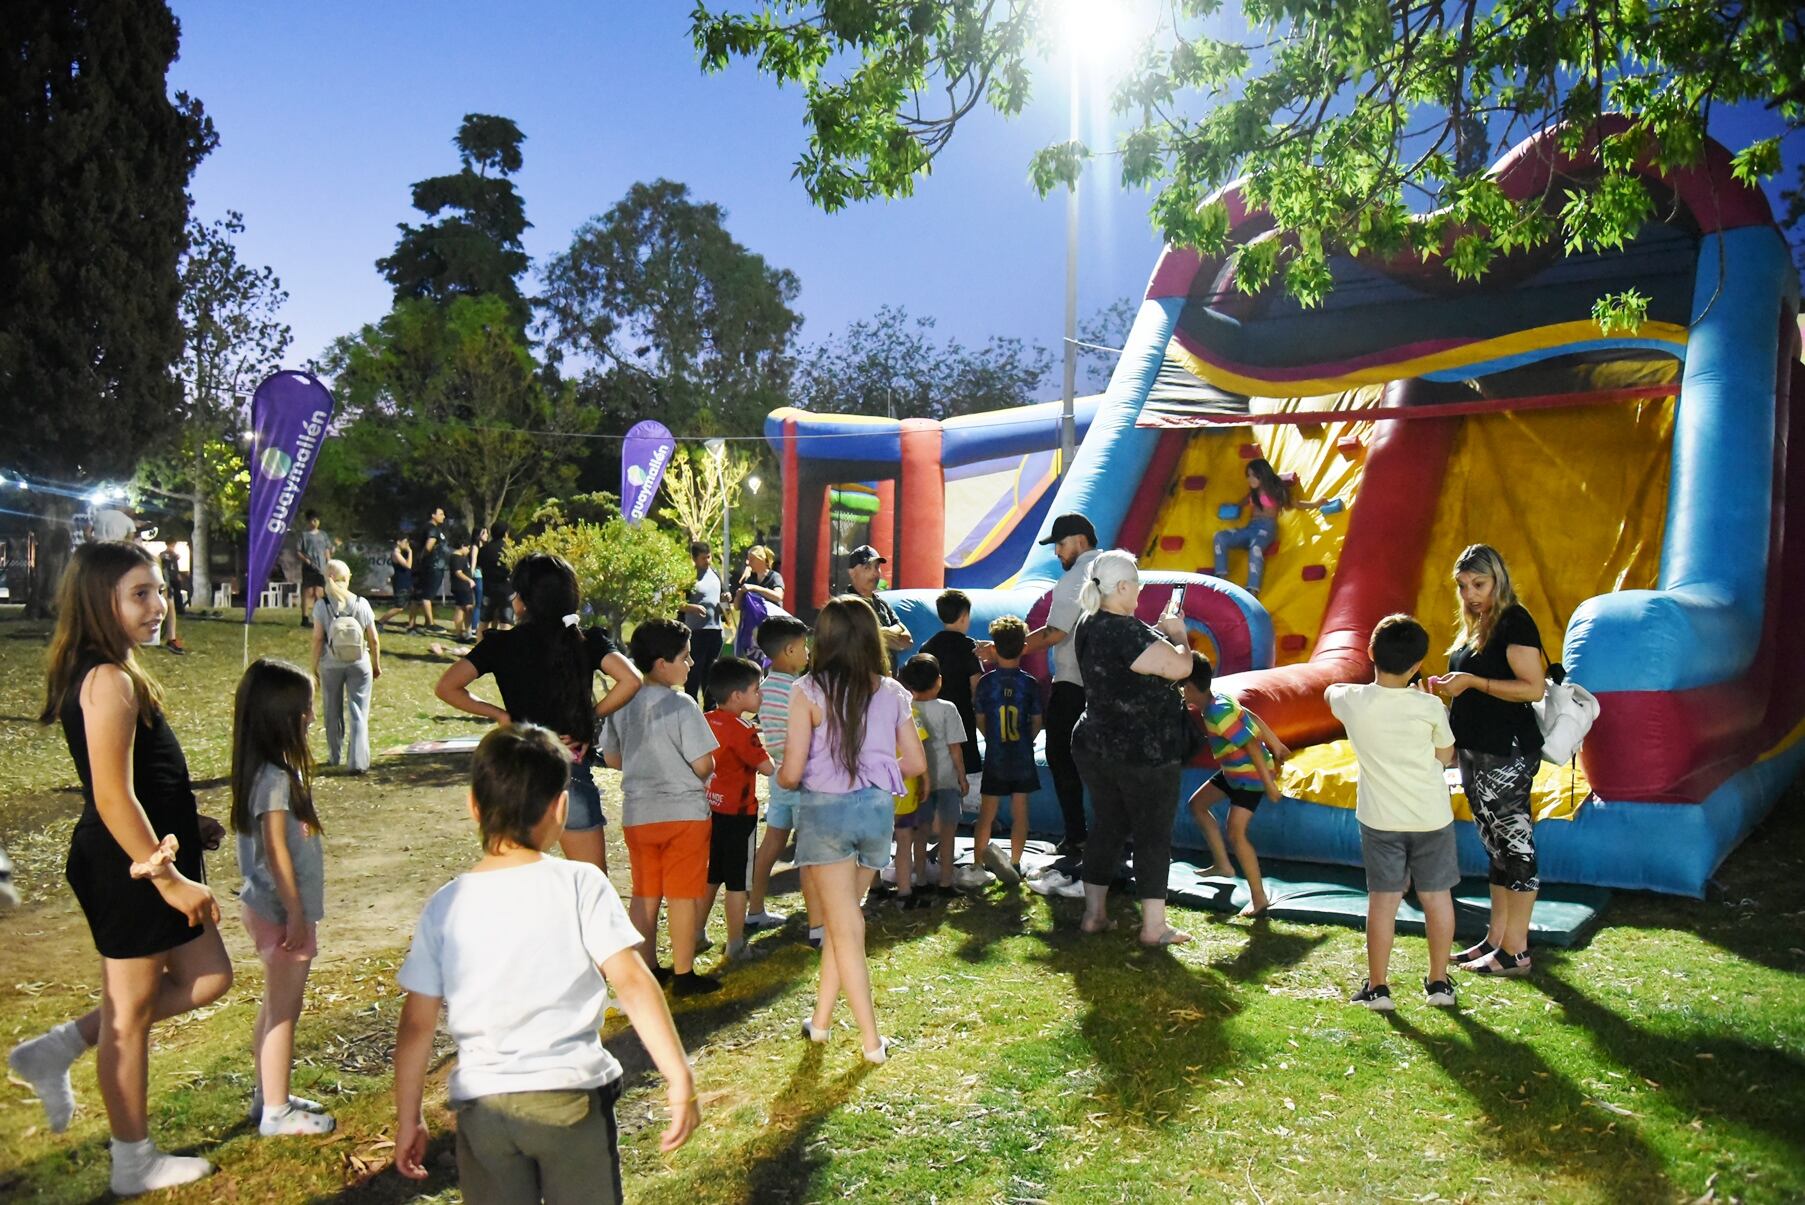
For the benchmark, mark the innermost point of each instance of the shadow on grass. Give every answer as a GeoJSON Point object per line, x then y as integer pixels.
{"type": "Point", "coordinates": [1755, 1087]}
{"type": "Point", "coordinates": [1542, 1126]}
{"type": "Point", "coordinates": [1763, 882]}
{"type": "Point", "coordinates": [776, 1164]}
{"type": "Point", "coordinates": [1154, 1023]}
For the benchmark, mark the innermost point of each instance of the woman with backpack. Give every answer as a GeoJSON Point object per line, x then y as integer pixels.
{"type": "Point", "coordinates": [347, 660]}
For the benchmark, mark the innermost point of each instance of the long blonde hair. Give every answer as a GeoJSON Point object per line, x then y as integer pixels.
{"type": "Point", "coordinates": [338, 583]}
{"type": "Point", "coordinates": [1474, 633]}
{"type": "Point", "coordinates": [88, 627]}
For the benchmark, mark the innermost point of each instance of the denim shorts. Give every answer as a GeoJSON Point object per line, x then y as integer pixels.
{"type": "Point", "coordinates": [780, 809]}
{"type": "Point", "coordinates": [832, 827]}
{"type": "Point", "coordinates": [585, 808]}
{"type": "Point", "coordinates": [947, 805]}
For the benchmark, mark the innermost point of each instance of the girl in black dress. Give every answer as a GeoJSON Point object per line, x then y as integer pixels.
{"type": "Point", "coordinates": [134, 861]}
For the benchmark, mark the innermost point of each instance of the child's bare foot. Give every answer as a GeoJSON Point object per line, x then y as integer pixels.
{"type": "Point", "coordinates": [1255, 909]}
{"type": "Point", "coordinates": [1221, 870]}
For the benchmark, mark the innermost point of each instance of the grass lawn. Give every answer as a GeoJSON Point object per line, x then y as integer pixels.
{"type": "Point", "coordinates": [1663, 1062]}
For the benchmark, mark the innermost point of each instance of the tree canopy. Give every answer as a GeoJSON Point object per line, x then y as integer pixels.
{"type": "Point", "coordinates": [452, 395]}
{"type": "Point", "coordinates": [896, 365]}
{"type": "Point", "coordinates": [475, 247]}
{"type": "Point", "coordinates": [93, 205]}
{"type": "Point", "coordinates": [669, 316]}
{"type": "Point", "coordinates": [1345, 118]}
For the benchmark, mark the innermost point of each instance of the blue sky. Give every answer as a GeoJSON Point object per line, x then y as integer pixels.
{"type": "Point", "coordinates": [328, 111]}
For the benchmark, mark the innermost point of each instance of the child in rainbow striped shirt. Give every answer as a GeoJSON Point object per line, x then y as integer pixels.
{"type": "Point", "coordinates": [1249, 754]}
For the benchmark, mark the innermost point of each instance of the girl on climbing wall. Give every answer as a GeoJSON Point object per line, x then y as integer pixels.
{"type": "Point", "coordinates": [1267, 495]}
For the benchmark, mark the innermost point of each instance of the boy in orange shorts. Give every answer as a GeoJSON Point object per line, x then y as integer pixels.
{"type": "Point", "coordinates": [664, 749]}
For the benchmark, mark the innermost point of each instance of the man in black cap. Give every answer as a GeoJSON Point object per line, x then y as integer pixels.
{"type": "Point", "coordinates": [862, 565]}
{"type": "Point", "coordinates": [1074, 542]}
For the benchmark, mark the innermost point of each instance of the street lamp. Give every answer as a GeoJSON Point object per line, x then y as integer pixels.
{"type": "Point", "coordinates": [717, 448]}
{"type": "Point", "coordinates": [1093, 32]}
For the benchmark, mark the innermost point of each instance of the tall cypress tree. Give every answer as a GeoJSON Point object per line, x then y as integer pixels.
{"type": "Point", "coordinates": [93, 209]}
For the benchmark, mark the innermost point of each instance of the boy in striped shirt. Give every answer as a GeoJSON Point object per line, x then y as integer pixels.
{"type": "Point", "coordinates": [783, 639]}
{"type": "Point", "coordinates": [1248, 753]}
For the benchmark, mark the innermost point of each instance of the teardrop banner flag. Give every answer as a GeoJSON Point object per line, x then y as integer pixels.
{"type": "Point", "coordinates": [644, 456]}
{"type": "Point", "coordinates": [289, 414]}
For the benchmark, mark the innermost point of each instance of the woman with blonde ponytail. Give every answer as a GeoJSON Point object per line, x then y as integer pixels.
{"type": "Point", "coordinates": [347, 660]}
{"type": "Point", "coordinates": [1128, 743]}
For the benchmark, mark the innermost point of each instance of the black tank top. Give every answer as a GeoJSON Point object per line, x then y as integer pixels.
{"type": "Point", "coordinates": [159, 769]}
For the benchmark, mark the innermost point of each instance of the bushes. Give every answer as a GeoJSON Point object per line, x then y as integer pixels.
{"type": "Point", "coordinates": [626, 572]}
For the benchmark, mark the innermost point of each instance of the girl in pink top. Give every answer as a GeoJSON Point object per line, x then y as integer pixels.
{"type": "Point", "coordinates": [851, 741]}
{"type": "Point", "coordinates": [1267, 495]}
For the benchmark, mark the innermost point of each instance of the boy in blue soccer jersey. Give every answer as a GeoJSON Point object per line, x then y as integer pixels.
{"type": "Point", "coordinates": [1007, 708]}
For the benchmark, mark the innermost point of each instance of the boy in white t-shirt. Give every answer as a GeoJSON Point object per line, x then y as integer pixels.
{"type": "Point", "coordinates": [1403, 744]}
{"type": "Point", "coordinates": [521, 950]}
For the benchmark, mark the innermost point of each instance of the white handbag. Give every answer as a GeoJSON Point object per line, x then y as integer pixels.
{"type": "Point", "coordinates": [1565, 714]}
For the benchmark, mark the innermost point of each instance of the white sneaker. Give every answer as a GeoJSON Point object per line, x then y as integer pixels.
{"type": "Point", "coordinates": [288, 1121]}
{"type": "Point", "coordinates": [43, 1062]}
{"type": "Point", "coordinates": [139, 1167]}
{"type": "Point", "coordinates": [1071, 889]}
{"type": "Point", "coordinates": [765, 920]}
{"type": "Point", "coordinates": [255, 1116]}
{"type": "Point", "coordinates": [997, 862]}
{"type": "Point", "coordinates": [1047, 883]}
{"type": "Point", "coordinates": [969, 878]}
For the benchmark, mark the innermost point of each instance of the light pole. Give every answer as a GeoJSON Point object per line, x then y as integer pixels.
{"type": "Point", "coordinates": [717, 448]}
{"type": "Point", "coordinates": [1068, 417]}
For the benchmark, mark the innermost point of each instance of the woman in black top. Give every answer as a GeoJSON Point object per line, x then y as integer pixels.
{"type": "Point", "coordinates": [1495, 674]}
{"type": "Point", "coordinates": [758, 577]}
{"type": "Point", "coordinates": [134, 860]}
{"type": "Point", "coordinates": [545, 668]}
{"type": "Point", "coordinates": [1128, 743]}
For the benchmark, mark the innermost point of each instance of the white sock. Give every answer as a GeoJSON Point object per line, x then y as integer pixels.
{"type": "Point", "coordinates": [140, 1167]}
{"type": "Point", "coordinates": [43, 1062]}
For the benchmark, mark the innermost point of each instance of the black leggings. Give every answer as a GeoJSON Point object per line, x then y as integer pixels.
{"type": "Point", "coordinates": [1497, 788]}
{"type": "Point", "coordinates": [1063, 710]}
{"type": "Point", "coordinates": [1129, 799]}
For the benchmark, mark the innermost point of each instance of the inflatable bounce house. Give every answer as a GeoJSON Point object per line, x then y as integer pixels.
{"type": "Point", "coordinates": [1641, 487]}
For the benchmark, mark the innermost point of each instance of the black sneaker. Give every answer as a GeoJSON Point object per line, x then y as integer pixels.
{"type": "Point", "coordinates": [1376, 998]}
{"type": "Point", "coordinates": [662, 974]}
{"type": "Point", "coordinates": [691, 984]}
{"type": "Point", "coordinates": [1439, 992]}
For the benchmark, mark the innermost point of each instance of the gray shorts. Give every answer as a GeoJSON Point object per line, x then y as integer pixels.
{"type": "Point", "coordinates": [1397, 861]}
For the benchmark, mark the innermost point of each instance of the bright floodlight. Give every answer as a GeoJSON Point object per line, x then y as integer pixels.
{"type": "Point", "coordinates": [753, 482]}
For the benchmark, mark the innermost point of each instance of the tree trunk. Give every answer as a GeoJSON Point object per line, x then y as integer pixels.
{"type": "Point", "coordinates": [53, 530]}
{"type": "Point", "coordinates": [200, 580]}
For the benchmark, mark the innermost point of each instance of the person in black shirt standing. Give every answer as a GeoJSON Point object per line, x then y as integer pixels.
{"type": "Point", "coordinates": [429, 566]}
{"type": "Point", "coordinates": [545, 669]}
{"type": "Point", "coordinates": [498, 586]}
{"type": "Point", "coordinates": [961, 663]}
{"type": "Point", "coordinates": [1496, 672]}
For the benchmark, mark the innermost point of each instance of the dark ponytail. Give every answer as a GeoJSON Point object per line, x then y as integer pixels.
{"type": "Point", "coordinates": [548, 586]}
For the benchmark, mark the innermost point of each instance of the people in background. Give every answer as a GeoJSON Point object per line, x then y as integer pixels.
{"type": "Point", "coordinates": [347, 660]}
{"type": "Point", "coordinates": [701, 614]}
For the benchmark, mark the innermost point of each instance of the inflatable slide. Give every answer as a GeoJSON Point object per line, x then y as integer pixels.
{"type": "Point", "coordinates": [1642, 487]}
